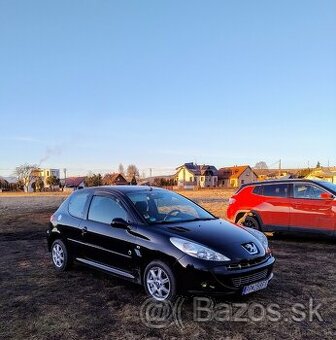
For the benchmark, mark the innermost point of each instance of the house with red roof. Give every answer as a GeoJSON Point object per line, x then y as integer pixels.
{"type": "Point", "coordinates": [73, 183]}
{"type": "Point", "coordinates": [235, 176]}
{"type": "Point", "coordinates": [115, 179]}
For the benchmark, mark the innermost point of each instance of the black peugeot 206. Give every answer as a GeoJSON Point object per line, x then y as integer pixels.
{"type": "Point", "coordinates": [159, 239]}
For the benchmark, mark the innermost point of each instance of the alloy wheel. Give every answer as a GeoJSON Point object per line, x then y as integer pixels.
{"type": "Point", "coordinates": [58, 255]}
{"type": "Point", "coordinates": [158, 283]}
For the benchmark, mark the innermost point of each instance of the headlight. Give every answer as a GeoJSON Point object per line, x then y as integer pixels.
{"type": "Point", "coordinates": [259, 235]}
{"type": "Point", "coordinates": [196, 250]}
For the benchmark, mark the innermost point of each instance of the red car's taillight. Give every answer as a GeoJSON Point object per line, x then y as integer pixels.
{"type": "Point", "coordinates": [232, 200]}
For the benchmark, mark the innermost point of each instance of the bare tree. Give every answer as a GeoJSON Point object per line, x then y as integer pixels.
{"type": "Point", "coordinates": [132, 171]}
{"type": "Point", "coordinates": [121, 169]}
{"type": "Point", "coordinates": [52, 181]}
{"type": "Point", "coordinates": [93, 180]}
{"type": "Point", "coordinates": [261, 165]}
{"type": "Point", "coordinates": [38, 184]}
{"type": "Point", "coordinates": [25, 174]}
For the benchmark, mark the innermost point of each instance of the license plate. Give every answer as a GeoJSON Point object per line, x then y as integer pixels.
{"type": "Point", "coordinates": [255, 287]}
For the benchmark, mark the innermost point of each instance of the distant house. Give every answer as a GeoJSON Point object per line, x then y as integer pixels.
{"type": "Point", "coordinates": [73, 183]}
{"type": "Point", "coordinates": [191, 175]}
{"type": "Point", "coordinates": [12, 183]}
{"type": "Point", "coordinates": [4, 185]}
{"type": "Point", "coordinates": [42, 174]}
{"type": "Point", "coordinates": [115, 179]}
{"type": "Point", "coordinates": [269, 174]}
{"type": "Point", "coordinates": [163, 181]}
{"type": "Point", "coordinates": [235, 176]}
{"type": "Point", "coordinates": [323, 174]}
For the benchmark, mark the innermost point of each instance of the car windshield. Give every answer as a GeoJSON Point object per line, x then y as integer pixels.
{"type": "Point", "coordinates": [330, 186]}
{"type": "Point", "coordinates": [159, 206]}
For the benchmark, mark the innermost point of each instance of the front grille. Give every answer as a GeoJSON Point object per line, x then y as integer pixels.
{"type": "Point", "coordinates": [244, 280]}
{"type": "Point", "coordinates": [247, 263]}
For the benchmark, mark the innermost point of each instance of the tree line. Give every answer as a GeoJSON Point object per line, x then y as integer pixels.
{"type": "Point", "coordinates": [131, 175]}
{"type": "Point", "coordinates": [30, 175]}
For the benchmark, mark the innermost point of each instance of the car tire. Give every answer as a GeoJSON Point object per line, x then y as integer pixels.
{"type": "Point", "coordinates": [60, 256]}
{"type": "Point", "coordinates": [159, 281]}
{"type": "Point", "coordinates": [251, 222]}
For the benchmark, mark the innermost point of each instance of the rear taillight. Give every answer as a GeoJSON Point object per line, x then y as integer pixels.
{"type": "Point", "coordinates": [232, 200]}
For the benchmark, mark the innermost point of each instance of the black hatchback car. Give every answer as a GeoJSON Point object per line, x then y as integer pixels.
{"type": "Point", "coordinates": [159, 239]}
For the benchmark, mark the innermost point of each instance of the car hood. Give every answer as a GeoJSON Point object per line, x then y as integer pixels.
{"type": "Point", "coordinates": [218, 235]}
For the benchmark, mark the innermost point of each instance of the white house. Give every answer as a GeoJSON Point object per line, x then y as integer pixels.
{"type": "Point", "coordinates": [42, 174]}
{"type": "Point", "coordinates": [191, 175]}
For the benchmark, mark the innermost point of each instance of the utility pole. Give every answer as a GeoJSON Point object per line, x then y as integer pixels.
{"type": "Point", "coordinates": [279, 167]}
{"type": "Point", "coordinates": [64, 171]}
{"type": "Point", "coordinates": [150, 172]}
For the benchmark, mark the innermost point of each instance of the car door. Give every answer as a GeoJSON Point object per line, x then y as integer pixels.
{"type": "Point", "coordinates": [107, 244]}
{"type": "Point", "coordinates": [274, 207]}
{"type": "Point", "coordinates": [311, 209]}
{"type": "Point", "coordinates": [71, 218]}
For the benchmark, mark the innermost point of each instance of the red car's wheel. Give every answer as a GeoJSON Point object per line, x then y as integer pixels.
{"type": "Point", "coordinates": [251, 222]}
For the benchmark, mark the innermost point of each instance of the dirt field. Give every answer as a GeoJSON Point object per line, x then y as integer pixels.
{"type": "Point", "coordinates": [38, 303]}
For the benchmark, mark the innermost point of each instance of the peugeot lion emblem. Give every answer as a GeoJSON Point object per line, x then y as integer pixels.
{"type": "Point", "coordinates": [251, 248]}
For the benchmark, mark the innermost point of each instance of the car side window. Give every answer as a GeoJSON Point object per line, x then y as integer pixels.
{"type": "Point", "coordinates": [105, 209]}
{"type": "Point", "coordinates": [276, 190]}
{"type": "Point", "coordinates": [309, 191]}
{"type": "Point", "coordinates": [77, 204]}
{"type": "Point", "coordinates": [258, 190]}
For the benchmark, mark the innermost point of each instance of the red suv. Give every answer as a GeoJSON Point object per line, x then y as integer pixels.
{"type": "Point", "coordinates": [286, 205]}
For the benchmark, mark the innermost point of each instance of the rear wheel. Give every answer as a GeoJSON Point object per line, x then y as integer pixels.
{"type": "Point", "coordinates": [159, 281]}
{"type": "Point", "coordinates": [251, 222]}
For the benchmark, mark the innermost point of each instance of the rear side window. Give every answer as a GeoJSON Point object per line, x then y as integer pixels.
{"type": "Point", "coordinates": [77, 204]}
{"type": "Point", "coordinates": [105, 209]}
{"type": "Point", "coordinates": [258, 190]}
{"type": "Point", "coordinates": [276, 190]}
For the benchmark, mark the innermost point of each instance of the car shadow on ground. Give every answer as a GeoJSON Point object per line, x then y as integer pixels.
{"type": "Point", "coordinates": [305, 238]}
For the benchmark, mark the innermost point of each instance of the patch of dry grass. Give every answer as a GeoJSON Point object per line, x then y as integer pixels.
{"type": "Point", "coordinates": [38, 303]}
{"type": "Point", "coordinates": [217, 193]}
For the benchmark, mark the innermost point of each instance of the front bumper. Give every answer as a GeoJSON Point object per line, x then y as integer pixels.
{"type": "Point", "coordinates": [223, 279]}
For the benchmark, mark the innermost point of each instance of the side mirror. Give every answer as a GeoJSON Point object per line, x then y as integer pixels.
{"type": "Point", "coordinates": [119, 223]}
{"type": "Point", "coordinates": [326, 196]}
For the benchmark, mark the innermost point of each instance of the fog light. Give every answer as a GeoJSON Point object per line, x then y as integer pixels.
{"type": "Point", "coordinates": [204, 284]}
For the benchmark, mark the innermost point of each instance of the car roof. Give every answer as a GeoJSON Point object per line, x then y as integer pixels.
{"type": "Point", "coordinates": [290, 180]}
{"type": "Point", "coordinates": [123, 189]}
{"type": "Point", "coordinates": [279, 181]}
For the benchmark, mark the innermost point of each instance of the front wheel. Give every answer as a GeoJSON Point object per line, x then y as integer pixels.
{"type": "Point", "coordinates": [159, 281]}
{"type": "Point", "coordinates": [60, 256]}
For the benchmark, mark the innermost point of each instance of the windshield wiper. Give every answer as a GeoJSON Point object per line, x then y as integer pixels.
{"type": "Point", "coordinates": [201, 219]}
{"type": "Point", "coordinates": [185, 221]}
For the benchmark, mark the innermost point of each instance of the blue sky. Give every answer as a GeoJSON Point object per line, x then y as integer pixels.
{"type": "Point", "coordinates": [89, 84]}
